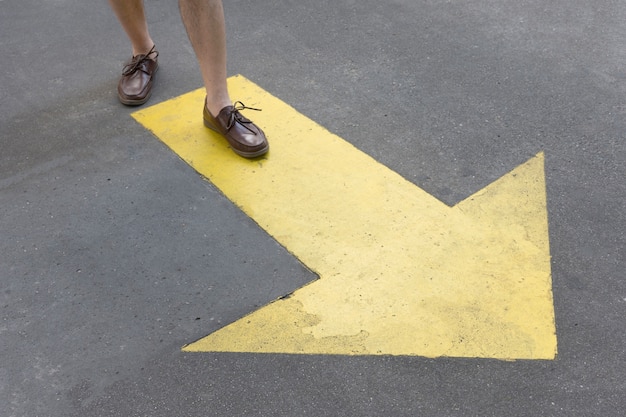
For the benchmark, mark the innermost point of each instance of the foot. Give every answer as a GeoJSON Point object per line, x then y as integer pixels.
{"type": "Point", "coordinates": [135, 86]}
{"type": "Point", "coordinates": [244, 137]}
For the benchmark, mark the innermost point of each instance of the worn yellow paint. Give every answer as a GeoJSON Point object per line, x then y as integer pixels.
{"type": "Point", "coordinates": [401, 273]}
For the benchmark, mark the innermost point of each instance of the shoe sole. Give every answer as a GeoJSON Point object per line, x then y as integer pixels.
{"type": "Point", "coordinates": [138, 102]}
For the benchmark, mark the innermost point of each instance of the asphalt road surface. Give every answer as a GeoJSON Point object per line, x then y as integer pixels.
{"type": "Point", "coordinates": [114, 253]}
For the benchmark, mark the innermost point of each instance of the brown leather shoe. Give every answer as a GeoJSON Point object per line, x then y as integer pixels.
{"type": "Point", "coordinates": [135, 86]}
{"type": "Point", "coordinates": [244, 137]}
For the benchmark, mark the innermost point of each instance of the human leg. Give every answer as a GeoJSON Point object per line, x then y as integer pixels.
{"type": "Point", "coordinates": [131, 16]}
{"type": "Point", "coordinates": [135, 85]}
{"type": "Point", "coordinates": [204, 21]}
{"type": "Point", "coordinates": [205, 24]}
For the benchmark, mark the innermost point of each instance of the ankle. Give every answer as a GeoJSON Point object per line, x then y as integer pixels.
{"type": "Point", "coordinates": [215, 106]}
{"type": "Point", "coordinates": [148, 50]}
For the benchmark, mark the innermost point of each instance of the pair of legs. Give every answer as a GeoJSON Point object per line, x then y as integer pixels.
{"type": "Point", "coordinates": [204, 22]}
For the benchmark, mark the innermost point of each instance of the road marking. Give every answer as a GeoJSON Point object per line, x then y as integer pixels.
{"type": "Point", "coordinates": [401, 273]}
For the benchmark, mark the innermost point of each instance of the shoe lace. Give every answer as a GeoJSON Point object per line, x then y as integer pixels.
{"type": "Point", "coordinates": [137, 61]}
{"type": "Point", "coordinates": [236, 117]}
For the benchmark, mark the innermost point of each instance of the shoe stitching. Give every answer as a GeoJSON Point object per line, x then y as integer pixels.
{"type": "Point", "coordinates": [137, 62]}
{"type": "Point", "coordinates": [235, 116]}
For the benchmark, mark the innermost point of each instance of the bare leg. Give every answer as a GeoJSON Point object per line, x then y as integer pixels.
{"type": "Point", "coordinates": [131, 15]}
{"type": "Point", "coordinates": [204, 21]}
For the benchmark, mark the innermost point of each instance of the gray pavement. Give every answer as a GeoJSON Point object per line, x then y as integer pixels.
{"type": "Point", "coordinates": [114, 253]}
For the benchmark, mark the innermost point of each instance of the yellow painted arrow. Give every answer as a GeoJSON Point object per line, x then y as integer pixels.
{"type": "Point", "coordinates": [401, 273]}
